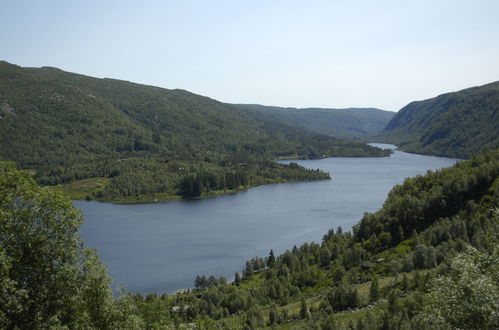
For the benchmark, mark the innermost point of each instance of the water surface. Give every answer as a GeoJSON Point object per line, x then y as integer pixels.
{"type": "Point", "coordinates": [161, 247]}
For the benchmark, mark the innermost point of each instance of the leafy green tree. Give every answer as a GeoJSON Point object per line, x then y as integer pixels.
{"type": "Point", "coordinates": [467, 297]}
{"type": "Point", "coordinates": [343, 296]}
{"type": "Point", "coordinates": [48, 279]}
{"type": "Point", "coordinates": [384, 239]}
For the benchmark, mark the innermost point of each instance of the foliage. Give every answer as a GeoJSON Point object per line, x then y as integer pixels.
{"type": "Point", "coordinates": [48, 279]}
{"type": "Point", "coordinates": [435, 198]}
{"type": "Point", "coordinates": [467, 297]}
{"type": "Point", "coordinates": [340, 123]}
{"type": "Point", "coordinates": [458, 124]}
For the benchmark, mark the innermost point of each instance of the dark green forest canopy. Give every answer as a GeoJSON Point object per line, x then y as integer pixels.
{"type": "Point", "coordinates": [68, 127]}
{"type": "Point", "coordinates": [458, 124]}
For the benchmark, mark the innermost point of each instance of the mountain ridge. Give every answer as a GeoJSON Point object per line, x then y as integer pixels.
{"type": "Point", "coordinates": [456, 124]}
{"type": "Point", "coordinates": [341, 123]}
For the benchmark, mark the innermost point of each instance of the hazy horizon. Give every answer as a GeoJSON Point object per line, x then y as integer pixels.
{"type": "Point", "coordinates": [319, 54]}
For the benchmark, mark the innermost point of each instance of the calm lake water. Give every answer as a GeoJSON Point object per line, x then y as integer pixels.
{"type": "Point", "coordinates": [161, 247]}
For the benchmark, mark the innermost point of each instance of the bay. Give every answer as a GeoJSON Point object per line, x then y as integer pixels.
{"type": "Point", "coordinates": [162, 247]}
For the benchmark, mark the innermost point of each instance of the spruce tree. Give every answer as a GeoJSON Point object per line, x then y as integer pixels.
{"type": "Point", "coordinates": [271, 259]}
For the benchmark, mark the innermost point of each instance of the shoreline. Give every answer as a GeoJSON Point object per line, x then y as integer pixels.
{"type": "Point", "coordinates": [148, 199]}
{"type": "Point", "coordinates": [83, 189]}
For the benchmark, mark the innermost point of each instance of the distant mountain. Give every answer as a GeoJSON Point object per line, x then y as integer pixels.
{"type": "Point", "coordinates": [340, 123]}
{"type": "Point", "coordinates": [144, 140]}
{"type": "Point", "coordinates": [458, 124]}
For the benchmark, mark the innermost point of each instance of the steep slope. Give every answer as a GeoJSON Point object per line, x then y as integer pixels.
{"type": "Point", "coordinates": [144, 140]}
{"type": "Point", "coordinates": [78, 114]}
{"type": "Point", "coordinates": [340, 123]}
{"type": "Point", "coordinates": [457, 124]}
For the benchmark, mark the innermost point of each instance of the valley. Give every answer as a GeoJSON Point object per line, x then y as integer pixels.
{"type": "Point", "coordinates": [407, 224]}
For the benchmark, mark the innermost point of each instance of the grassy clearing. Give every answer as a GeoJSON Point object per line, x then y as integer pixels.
{"type": "Point", "coordinates": [83, 188]}
{"type": "Point", "coordinates": [401, 249]}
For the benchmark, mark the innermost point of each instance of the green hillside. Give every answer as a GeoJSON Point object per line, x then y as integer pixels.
{"type": "Point", "coordinates": [458, 124]}
{"type": "Point", "coordinates": [428, 259]}
{"type": "Point", "coordinates": [340, 123]}
{"type": "Point", "coordinates": [140, 142]}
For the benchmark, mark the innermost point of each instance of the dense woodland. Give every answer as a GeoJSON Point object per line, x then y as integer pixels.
{"type": "Point", "coordinates": [458, 124]}
{"type": "Point", "coordinates": [428, 259]}
{"type": "Point", "coordinates": [135, 142]}
{"type": "Point", "coordinates": [342, 123]}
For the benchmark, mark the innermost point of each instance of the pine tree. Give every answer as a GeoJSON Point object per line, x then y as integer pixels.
{"type": "Point", "coordinates": [237, 278]}
{"type": "Point", "coordinates": [271, 259]}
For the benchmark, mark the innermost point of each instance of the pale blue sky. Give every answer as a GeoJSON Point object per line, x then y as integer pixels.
{"type": "Point", "coordinates": [381, 54]}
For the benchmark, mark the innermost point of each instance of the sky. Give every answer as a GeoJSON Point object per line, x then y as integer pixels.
{"type": "Point", "coordinates": [333, 54]}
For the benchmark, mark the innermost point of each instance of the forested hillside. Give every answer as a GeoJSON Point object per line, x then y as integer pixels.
{"type": "Point", "coordinates": [428, 259]}
{"type": "Point", "coordinates": [132, 141]}
{"type": "Point", "coordinates": [340, 123]}
{"type": "Point", "coordinates": [458, 124]}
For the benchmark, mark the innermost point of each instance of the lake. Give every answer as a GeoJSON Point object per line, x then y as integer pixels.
{"type": "Point", "coordinates": [162, 247]}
